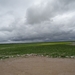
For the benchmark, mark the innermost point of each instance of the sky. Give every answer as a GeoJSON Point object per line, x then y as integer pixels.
{"type": "Point", "coordinates": [37, 20]}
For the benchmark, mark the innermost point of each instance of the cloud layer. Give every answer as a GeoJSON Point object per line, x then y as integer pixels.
{"type": "Point", "coordinates": [32, 21]}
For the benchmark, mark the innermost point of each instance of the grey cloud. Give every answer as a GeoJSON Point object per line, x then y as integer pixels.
{"type": "Point", "coordinates": [44, 12]}
{"type": "Point", "coordinates": [15, 3]}
{"type": "Point", "coordinates": [50, 20]}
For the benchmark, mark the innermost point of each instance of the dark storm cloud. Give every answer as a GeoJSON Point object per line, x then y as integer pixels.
{"type": "Point", "coordinates": [46, 11]}
{"type": "Point", "coordinates": [42, 20]}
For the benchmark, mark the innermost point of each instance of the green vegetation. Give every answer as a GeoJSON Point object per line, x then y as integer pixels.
{"type": "Point", "coordinates": [53, 49]}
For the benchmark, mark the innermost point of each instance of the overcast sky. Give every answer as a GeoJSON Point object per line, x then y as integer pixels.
{"type": "Point", "coordinates": [37, 20]}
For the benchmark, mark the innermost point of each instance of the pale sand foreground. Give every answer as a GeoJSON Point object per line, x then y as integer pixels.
{"type": "Point", "coordinates": [37, 66]}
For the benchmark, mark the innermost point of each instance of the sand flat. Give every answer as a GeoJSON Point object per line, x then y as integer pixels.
{"type": "Point", "coordinates": [37, 66]}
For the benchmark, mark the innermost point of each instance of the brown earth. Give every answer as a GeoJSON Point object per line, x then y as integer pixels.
{"type": "Point", "coordinates": [37, 66]}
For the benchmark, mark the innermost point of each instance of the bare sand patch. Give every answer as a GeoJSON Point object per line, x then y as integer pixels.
{"type": "Point", "coordinates": [73, 43]}
{"type": "Point", "coordinates": [37, 66]}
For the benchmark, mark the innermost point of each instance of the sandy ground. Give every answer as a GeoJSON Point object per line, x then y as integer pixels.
{"type": "Point", "coordinates": [37, 66]}
{"type": "Point", "coordinates": [73, 43]}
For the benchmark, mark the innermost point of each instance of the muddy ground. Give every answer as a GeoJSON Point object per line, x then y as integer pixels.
{"type": "Point", "coordinates": [37, 66]}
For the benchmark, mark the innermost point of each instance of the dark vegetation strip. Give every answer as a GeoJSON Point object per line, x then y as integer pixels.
{"type": "Point", "coordinates": [55, 49]}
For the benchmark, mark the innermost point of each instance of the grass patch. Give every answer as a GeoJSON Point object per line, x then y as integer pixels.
{"type": "Point", "coordinates": [54, 49]}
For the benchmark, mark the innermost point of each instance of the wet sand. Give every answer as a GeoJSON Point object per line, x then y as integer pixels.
{"type": "Point", "coordinates": [37, 66]}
